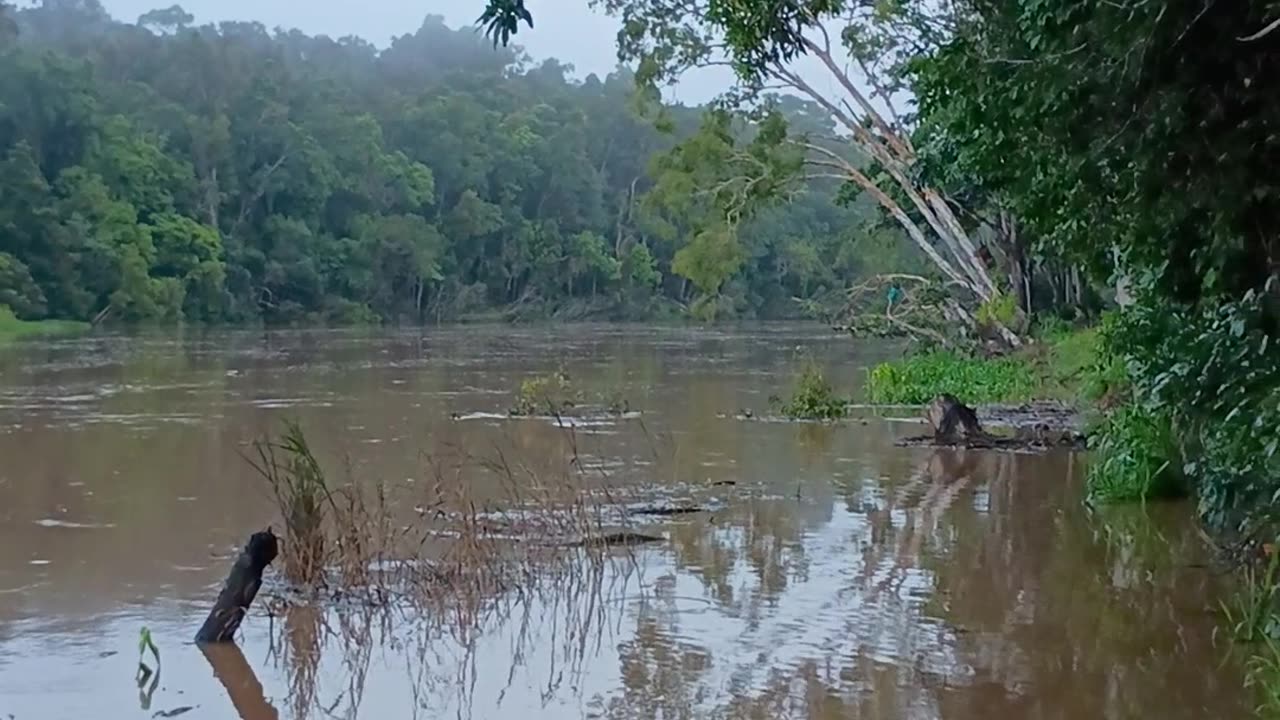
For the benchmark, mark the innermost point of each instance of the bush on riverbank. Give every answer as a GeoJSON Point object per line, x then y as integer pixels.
{"type": "Point", "coordinates": [1215, 373]}
{"type": "Point", "coordinates": [1135, 457]}
{"type": "Point", "coordinates": [11, 328]}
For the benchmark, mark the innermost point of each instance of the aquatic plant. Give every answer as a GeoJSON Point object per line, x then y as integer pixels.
{"type": "Point", "coordinates": [920, 378]}
{"type": "Point", "coordinates": [145, 643]}
{"type": "Point", "coordinates": [301, 492]}
{"type": "Point", "coordinates": [554, 394]}
{"type": "Point", "coordinates": [813, 397]}
{"type": "Point", "coordinates": [550, 394]}
{"type": "Point", "coordinates": [1253, 617]}
{"type": "Point", "coordinates": [1135, 457]}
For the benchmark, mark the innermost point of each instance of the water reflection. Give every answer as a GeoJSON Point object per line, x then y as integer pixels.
{"type": "Point", "coordinates": [835, 576]}
{"type": "Point", "coordinates": [240, 682]}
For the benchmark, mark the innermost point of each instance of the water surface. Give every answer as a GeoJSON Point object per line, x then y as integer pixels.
{"type": "Point", "coordinates": [837, 576]}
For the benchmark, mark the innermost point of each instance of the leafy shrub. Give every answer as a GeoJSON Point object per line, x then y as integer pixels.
{"type": "Point", "coordinates": [1001, 309]}
{"type": "Point", "coordinates": [1215, 371]}
{"type": "Point", "coordinates": [552, 394]}
{"type": "Point", "coordinates": [918, 379]}
{"type": "Point", "coordinates": [1135, 457]}
{"type": "Point", "coordinates": [814, 398]}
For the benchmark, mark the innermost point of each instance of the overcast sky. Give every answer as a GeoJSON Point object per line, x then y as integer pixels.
{"type": "Point", "coordinates": [564, 29]}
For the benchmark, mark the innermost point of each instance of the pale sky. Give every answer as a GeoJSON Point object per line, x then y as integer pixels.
{"type": "Point", "coordinates": [564, 29]}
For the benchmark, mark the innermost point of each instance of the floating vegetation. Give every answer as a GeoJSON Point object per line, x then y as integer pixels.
{"type": "Point", "coordinates": [813, 397]}
{"type": "Point", "coordinates": [555, 395]}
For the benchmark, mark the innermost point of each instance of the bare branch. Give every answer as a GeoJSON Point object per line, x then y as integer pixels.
{"type": "Point", "coordinates": [905, 154]}
{"type": "Point", "coordinates": [1270, 28]}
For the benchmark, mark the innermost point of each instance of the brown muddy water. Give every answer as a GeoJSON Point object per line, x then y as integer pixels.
{"type": "Point", "coordinates": [835, 575]}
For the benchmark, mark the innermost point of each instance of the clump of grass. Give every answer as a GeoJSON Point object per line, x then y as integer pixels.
{"type": "Point", "coordinates": [1253, 617]}
{"type": "Point", "coordinates": [1251, 613]}
{"type": "Point", "coordinates": [12, 328]}
{"type": "Point", "coordinates": [813, 397]}
{"type": "Point", "coordinates": [1135, 458]}
{"type": "Point", "coordinates": [920, 378]}
{"type": "Point", "coordinates": [302, 496]}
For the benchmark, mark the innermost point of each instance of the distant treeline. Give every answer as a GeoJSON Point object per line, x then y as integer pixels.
{"type": "Point", "coordinates": [160, 171]}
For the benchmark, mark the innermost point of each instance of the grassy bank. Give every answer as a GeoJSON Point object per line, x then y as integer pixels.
{"type": "Point", "coordinates": [11, 328]}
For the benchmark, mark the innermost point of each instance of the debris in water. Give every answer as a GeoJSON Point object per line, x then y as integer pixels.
{"type": "Point", "coordinates": [51, 523]}
{"type": "Point", "coordinates": [108, 653]}
{"type": "Point", "coordinates": [669, 510]}
{"type": "Point", "coordinates": [174, 712]}
{"type": "Point", "coordinates": [618, 538]}
{"type": "Point", "coordinates": [37, 562]}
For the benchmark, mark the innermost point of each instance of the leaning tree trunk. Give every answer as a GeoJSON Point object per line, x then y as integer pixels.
{"type": "Point", "coordinates": [240, 589]}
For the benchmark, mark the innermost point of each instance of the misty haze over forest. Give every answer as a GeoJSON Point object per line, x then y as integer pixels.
{"type": "Point", "coordinates": [567, 30]}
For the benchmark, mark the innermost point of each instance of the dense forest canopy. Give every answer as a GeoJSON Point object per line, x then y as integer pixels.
{"type": "Point", "coordinates": [225, 173]}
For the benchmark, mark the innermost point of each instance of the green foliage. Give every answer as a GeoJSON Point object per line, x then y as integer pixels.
{"type": "Point", "coordinates": [162, 172]}
{"type": "Point", "coordinates": [295, 477]}
{"type": "Point", "coordinates": [1216, 373]}
{"type": "Point", "coordinates": [550, 394]}
{"type": "Point", "coordinates": [145, 643]}
{"type": "Point", "coordinates": [1251, 612]}
{"type": "Point", "coordinates": [1135, 457]}
{"type": "Point", "coordinates": [1180, 205]}
{"type": "Point", "coordinates": [12, 328]}
{"type": "Point", "coordinates": [708, 261]}
{"type": "Point", "coordinates": [1001, 309]}
{"type": "Point", "coordinates": [18, 290]}
{"type": "Point", "coordinates": [920, 378]}
{"type": "Point", "coordinates": [501, 19]}
{"type": "Point", "coordinates": [1253, 616]}
{"type": "Point", "coordinates": [813, 397]}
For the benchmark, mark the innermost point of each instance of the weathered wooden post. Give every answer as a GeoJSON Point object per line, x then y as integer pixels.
{"type": "Point", "coordinates": [240, 588]}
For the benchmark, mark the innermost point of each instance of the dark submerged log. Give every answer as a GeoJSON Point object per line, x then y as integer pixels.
{"type": "Point", "coordinates": [240, 588]}
{"type": "Point", "coordinates": [952, 420]}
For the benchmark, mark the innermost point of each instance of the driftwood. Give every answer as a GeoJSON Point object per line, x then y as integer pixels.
{"type": "Point", "coordinates": [240, 588]}
{"type": "Point", "coordinates": [956, 425]}
{"type": "Point", "coordinates": [952, 420]}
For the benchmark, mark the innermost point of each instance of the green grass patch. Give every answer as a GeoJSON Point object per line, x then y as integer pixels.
{"type": "Point", "coordinates": [1252, 616]}
{"type": "Point", "coordinates": [918, 379]}
{"type": "Point", "coordinates": [11, 328]}
{"type": "Point", "coordinates": [1135, 457]}
{"type": "Point", "coordinates": [813, 397]}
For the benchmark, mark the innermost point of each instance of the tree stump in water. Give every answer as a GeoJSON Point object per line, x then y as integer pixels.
{"type": "Point", "coordinates": [952, 420]}
{"type": "Point", "coordinates": [240, 588]}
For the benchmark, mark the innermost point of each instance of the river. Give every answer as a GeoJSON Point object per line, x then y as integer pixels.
{"type": "Point", "coordinates": [833, 576]}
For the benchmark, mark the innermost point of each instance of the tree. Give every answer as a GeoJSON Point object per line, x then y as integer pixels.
{"type": "Point", "coordinates": [168, 20]}
{"type": "Point", "coordinates": [228, 173]}
{"type": "Point", "coordinates": [501, 19]}
{"type": "Point", "coordinates": [872, 149]}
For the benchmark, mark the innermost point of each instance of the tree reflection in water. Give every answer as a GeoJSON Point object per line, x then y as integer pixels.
{"type": "Point", "coordinates": [966, 588]}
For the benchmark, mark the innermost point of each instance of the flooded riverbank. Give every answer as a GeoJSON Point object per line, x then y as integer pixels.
{"type": "Point", "coordinates": [834, 574]}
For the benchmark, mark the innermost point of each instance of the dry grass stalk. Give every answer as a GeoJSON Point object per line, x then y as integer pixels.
{"type": "Point", "coordinates": [461, 566]}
